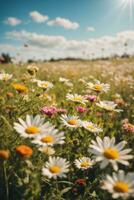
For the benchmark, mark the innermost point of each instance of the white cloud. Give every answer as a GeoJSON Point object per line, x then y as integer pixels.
{"type": "Point", "coordinates": [46, 47]}
{"type": "Point", "coordinates": [90, 29]}
{"type": "Point", "coordinates": [38, 40]}
{"type": "Point", "coordinates": [12, 21]}
{"type": "Point", "coordinates": [38, 17]}
{"type": "Point", "coordinates": [66, 23]}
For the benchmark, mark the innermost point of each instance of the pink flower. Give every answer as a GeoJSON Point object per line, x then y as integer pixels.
{"type": "Point", "coordinates": [128, 127]}
{"type": "Point", "coordinates": [49, 110]}
{"type": "Point", "coordinates": [91, 98]}
{"type": "Point", "coordinates": [81, 109]}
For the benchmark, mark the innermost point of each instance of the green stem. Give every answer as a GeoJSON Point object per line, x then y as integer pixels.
{"type": "Point", "coordinates": [6, 122]}
{"type": "Point", "coordinates": [57, 191]}
{"type": "Point", "coordinates": [6, 180]}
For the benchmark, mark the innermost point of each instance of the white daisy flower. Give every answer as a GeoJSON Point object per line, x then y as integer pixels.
{"type": "Point", "coordinates": [108, 105]}
{"type": "Point", "coordinates": [49, 138]}
{"type": "Point", "coordinates": [32, 126]}
{"type": "Point", "coordinates": [82, 80]}
{"type": "Point", "coordinates": [45, 84]}
{"type": "Point", "coordinates": [56, 167]}
{"type": "Point", "coordinates": [106, 151]}
{"type": "Point", "coordinates": [98, 86]}
{"type": "Point", "coordinates": [34, 80]}
{"type": "Point", "coordinates": [76, 98]}
{"type": "Point", "coordinates": [71, 121]}
{"type": "Point", "coordinates": [47, 150]}
{"type": "Point", "coordinates": [5, 76]}
{"type": "Point", "coordinates": [83, 163]}
{"type": "Point", "coordinates": [63, 80]}
{"type": "Point", "coordinates": [119, 184]}
{"type": "Point", "coordinates": [69, 84]}
{"type": "Point", "coordinates": [93, 128]}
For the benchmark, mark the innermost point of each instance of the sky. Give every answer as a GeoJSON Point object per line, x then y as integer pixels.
{"type": "Point", "coordinates": [42, 29]}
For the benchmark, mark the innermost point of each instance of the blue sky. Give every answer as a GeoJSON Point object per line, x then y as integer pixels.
{"type": "Point", "coordinates": [104, 17]}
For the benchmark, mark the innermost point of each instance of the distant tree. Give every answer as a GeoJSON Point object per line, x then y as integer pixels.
{"type": "Point", "coordinates": [31, 61]}
{"type": "Point", "coordinates": [52, 60]}
{"type": "Point", "coordinates": [6, 58]}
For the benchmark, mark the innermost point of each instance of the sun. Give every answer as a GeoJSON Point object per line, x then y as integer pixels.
{"type": "Point", "coordinates": [127, 4]}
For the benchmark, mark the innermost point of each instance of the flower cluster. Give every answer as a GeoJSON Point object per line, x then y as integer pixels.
{"type": "Point", "coordinates": [72, 138]}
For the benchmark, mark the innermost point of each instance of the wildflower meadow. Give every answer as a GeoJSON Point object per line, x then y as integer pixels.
{"type": "Point", "coordinates": [67, 130]}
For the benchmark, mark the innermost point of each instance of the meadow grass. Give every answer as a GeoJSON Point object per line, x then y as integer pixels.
{"type": "Point", "coordinates": [21, 177]}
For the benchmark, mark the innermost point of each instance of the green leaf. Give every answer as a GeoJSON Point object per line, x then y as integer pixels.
{"type": "Point", "coordinates": [65, 190]}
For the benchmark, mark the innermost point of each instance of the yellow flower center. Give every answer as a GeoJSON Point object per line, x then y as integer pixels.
{"type": "Point", "coordinates": [110, 108]}
{"type": "Point", "coordinates": [121, 187]}
{"type": "Point", "coordinates": [47, 139]}
{"type": "Point", "coordinates": [77, 99]}
{"type": "Point", "coordinates": [98, 88]}
{"type": "Point", "coordinates": [90, 126]}
{"type": "Point", "coordinates": [85, 164]}
{"type": "Point", "coordinates": [111, 153]}
{"type": "Point", "coordinates": [5, 78]}
{"type": "Point", "coordinates": [72, 122]}
{"type": "Point", "coordinates": [55, 169]}
{"type": "Point", "coordinates": [32, 130]}
{"type": "Point", "coordinates": [45, 85]}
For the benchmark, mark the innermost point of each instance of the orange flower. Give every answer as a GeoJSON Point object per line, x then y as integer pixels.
{"type": "Point", "coordinates": [9, 94]}
{"type": "Point", "coordinates": [4, 154]}
{"type": "Point", "coordinates": [24, 150]}
{"type": "Point", "coordinates": [20, 87]}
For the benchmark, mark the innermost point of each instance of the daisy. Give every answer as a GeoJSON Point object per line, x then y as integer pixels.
{"type": "Point", "coordinates": [71, 121]}
{"type": "Point", "coordinates": [93, 128]}
{"type": "Point", "coordinates": [45, 84]}
{"type": "Point", "coordinates": [76, 98]}
{"type": "Point", "coordinates": [47, 150]}
{"type": "Point", "coordinates": [63, 80]}
{"type": "Point", "coordinates": [32, 126]}
{"type": "Point", "coordinates": [49, 138]}
{"type": "Point", "coordinates": [34, 80]}
{"type": "Point", "coordinates": [98, 86]}
{"type": "Point", "coordinates": [106, 151]}
{"type": "Point", "coordinates": [56, 167]}
{"type": "Point", "coordinates": [83, 163]}
{"type": "Point", "coordinates": [108, 105]}
{"type": "Point", "coordinates": [119, 184]}
{"type": "Point", "coordinates": [69, 84]}
{"type": "Point", "coordinates": [5, 76]}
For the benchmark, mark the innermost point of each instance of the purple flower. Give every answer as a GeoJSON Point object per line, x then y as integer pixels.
{"type": "Point", "coordinates": [49, 110]}
{"type": "Point", "coordinates": [91, 98]}
{"type": "Point", "coordinates": [81, 109]}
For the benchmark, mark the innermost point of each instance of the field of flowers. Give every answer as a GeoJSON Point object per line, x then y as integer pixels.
{"type": "Point", "coordinates": [67, 130]}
